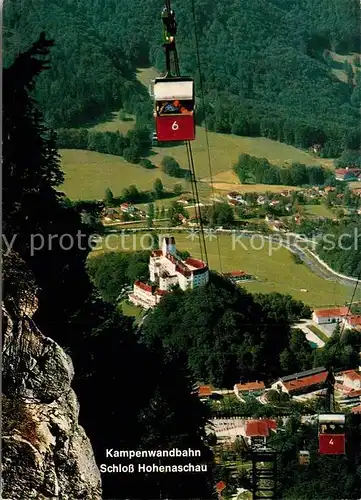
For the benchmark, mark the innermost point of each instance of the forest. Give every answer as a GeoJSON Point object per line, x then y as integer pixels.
{"type": "Point", "coordinates": [227, 334]}
{"type": "Point", "coordinates": [260, 170]}
{"type": "Point", "coordinates": [341, 247]}
{"type": "Point", "coordinates": [264, 70]}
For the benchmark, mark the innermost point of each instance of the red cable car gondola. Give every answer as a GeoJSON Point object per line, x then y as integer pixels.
{"type": "Point", "coordinates": [174, 109]}
{"type": "Point", "coordinates": [331, 434]}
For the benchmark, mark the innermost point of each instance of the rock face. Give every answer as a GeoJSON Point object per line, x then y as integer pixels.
{"type": "Point", "coordinates": [46, 453]}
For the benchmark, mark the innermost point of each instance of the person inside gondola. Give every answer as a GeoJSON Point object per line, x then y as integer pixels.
{"type": "Point", "coordinates": [169, 108]}
{"type": "Point", "coordinates": [173, 108]}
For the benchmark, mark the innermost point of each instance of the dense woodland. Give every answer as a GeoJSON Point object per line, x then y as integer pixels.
{"type": "Point", "coordinates": [341, 247]}
{"type": "Point", "coordinates": [227, 334]}
{"type": "Point", "coordinates": [261, 171]}
{"type": "Point", "coordinates": [266, 70]}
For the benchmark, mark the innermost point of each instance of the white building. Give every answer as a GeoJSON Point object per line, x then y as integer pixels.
{"type": "Point", "coordinates": [349, 378]}
{"type": "Point", "coordinates": [167, 269]}
{"type": "Point", "coordinates": [335, 315]}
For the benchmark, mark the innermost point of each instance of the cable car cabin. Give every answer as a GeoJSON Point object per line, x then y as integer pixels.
{"type": "Point", "coordinates": [174, 109]}
{"type": "Point", "coordinates": [304, 457]}
{"type": "Point", "coordinates": [331, 434]}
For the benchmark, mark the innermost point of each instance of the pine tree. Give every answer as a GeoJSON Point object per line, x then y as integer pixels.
{"type": "Point", "coordinates": [158, 188]}
{"type": "Point", "coordinates": [109, 197]}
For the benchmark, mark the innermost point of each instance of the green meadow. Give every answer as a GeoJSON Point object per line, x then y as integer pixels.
{"type": "Point", "coordinates": [274, 269]}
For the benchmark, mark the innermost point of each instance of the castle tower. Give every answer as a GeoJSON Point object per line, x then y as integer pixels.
{"type": "Point", "coordinates": [168, 246]}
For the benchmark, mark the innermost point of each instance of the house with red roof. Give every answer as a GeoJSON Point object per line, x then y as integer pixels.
{"type": "Point", "coordinates": [205, 391]}
{"type": "Point", "coordinates": [145, 295]}
{"type": "Point", "coordinates": [220, 486]}
{"type": "Point", "coordinates": [332, 315]}
{"type": "Point", "coordinates": [238, 276]}
{"type": "Point", "coordinates": [347, 174]}
{"type": "Point", "coordinates": [250, 388]}
{"type": "Point", "coordinates": [353, 322]}
{"type": "Point", "coordinates": [302, 383]}
{"type": "Point", "coordinates": [349, 378]}
{"type": "Point", "coordinates": [127, 207]}
{"type": "Point", "coordinates": [257, 431]}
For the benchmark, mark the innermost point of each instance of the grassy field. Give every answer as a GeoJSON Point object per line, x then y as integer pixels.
{"type": "Point", "coordinates": [319, 210]}
{"type": "Point", "coordinates": [88, 174]}
{"type": "Point", "coordinates": [226, 148]}
{"type": "Point", "coordinates": [275, 270]}
{"type": "Point", "coordinates": [131, 310]}
{"type": "Point", "coordinates": [115, 124]}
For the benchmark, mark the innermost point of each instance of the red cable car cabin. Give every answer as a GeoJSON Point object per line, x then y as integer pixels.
{"type": "Point", "coordinates": [331, 434]}
{"type": "Point", "coordinates": [174, 109]}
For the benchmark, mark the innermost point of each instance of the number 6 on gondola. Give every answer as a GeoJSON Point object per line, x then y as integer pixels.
{"type": "Point", "coordinates": [174, 109]}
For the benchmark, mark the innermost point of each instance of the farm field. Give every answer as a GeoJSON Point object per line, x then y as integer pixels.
{"type": "Point", "coordinates": [319, 210]}
{"type": "Point", "coordinates": [88, 174]}
{"type": "Point", "coordinates": [275, 269]}
{"type": "Point", "coordinates": [115, 124]}
{"type": "Point", "coordinates": [226, 148]}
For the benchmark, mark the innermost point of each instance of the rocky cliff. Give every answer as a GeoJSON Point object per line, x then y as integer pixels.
{"type": "Point", "coordinates": [46, 453]}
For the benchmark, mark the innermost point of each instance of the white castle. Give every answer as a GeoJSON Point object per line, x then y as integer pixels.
{"type": "Point", "coordinates": [167, 269]}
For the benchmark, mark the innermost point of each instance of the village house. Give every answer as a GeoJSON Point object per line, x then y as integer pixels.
{"type": "Point", "coordinates": [249, 388]}
{"type": "Point", "coordinates": [127, 208]}
{"type": "Point", "coordinates": [286, 193]}
{"type": "Point", "coordinates": [274, 203]}
{"type": "Point", "coordinates": [334, 315]}
{"type": "Point", "coordinates": [277, 225]}
{"type": "Point", "coordinates": [347, 174]}
{"type": "Point", "coordinates": [327, 190]}
{"type": "Point", "coordinates": [236, 199]}
{"type": "Point", "coordinates": [205, 391]}
{"type": "Point", "coordinates": [262, 200]}
{"type": "Point", "coordinates": [351, 378]}
{"type": "Point", "coordinates": [237, 276]}
{"type": "Point", "coordinates": [353, 322]}
{"type": "Point", "coordinates": [300, 384]}
{"type": "Point", "coordinates": [316, 148]}
{"type": "Point", "coordinates": [220, 486]}
{"type": "Point", "coordinates": [256, 432]}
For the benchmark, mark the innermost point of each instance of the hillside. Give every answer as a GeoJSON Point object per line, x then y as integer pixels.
{"type": "Point", "coordinates": [88, 174]}
{"type": "Point", "coordinates": [269, 55]}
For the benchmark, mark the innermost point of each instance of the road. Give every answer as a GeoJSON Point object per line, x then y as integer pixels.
{"type": "Point", "coordinates": [310, 336]}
